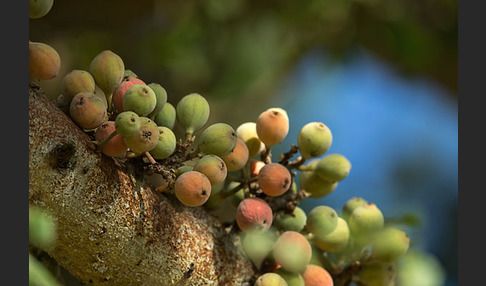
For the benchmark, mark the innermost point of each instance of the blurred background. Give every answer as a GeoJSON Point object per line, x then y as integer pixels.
{"type": "Point", "coordinates": [382, 75]}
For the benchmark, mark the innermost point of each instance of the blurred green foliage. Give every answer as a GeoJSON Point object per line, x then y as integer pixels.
{"type": "Point", "coordinates": [244, 49]}
{"type": "Point", "coordinates": [42, 235]}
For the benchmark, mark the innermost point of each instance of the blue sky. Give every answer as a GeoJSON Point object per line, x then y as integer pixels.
{"type": "Point", "coordinates": [388, 126]}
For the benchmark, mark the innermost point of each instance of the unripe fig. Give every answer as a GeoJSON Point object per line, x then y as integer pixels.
{"type": "Point", "coordinates": [366, 219]}
{"type": "Point", "coordinates": [377, 274]}
{"type": "Point", "coordinates": [315, 275]}
{"type": "Point", "coordinates": [336, 241]}
{"type": "Point", "coordinates": [292, 278]}
{"type": "Point", "coordinates": [145, 139]}
{"type": "Point", "coordinates": [166, 117]}
{"type": "Point", "coordinates": [115, 147]}
{"type": "Point", "coordinates": [166, 145]}
{"type": "Point", "coordinates": [351, 205]}
{"type": "Point", "coordinates": [182, 169]}
{"type": "Point", "coordinates": [213, 167]}
{"type": "Point", "coordinates": [128, 73]}
{"type": "Point", "coordinates": [121, 90]}
{"type": "Point", "coordinates": [107, 69]}
{"type": "Point", "coordinates": [237, 197]}
{"type": "Point", "coordinates": [316, 186]}
{"type": "Point", "coordinates": [294, 221]}
{"type": "Point", "coordinates": [192, 112]}
{"type": "Point", "coordinates": [139, 98]}
{"type": "Point", "coordinates": [87, 110]}
{"type": "Point", "coordinates": [237, 159]}
{"type": "Point", "coordinates": [161, 98]}
{"type": "Point", "coordinates": [390, 245]}
{"type": "Point", "coordinates": [39, 8]}
{"type": "Point", "coordinates": [333, 167]}
{"type": "Point", "coordinates": [257, 245]}
{"type": "Point", "coordinates": [272, 126]}
{"type": "Point", "coordinates": [218, 139]}
{"type": "Point", "coordinates": [42, 227]}
{"type": "Point", "coordinates": [292, 251]}
{"type": "Point", "coordinates": [127, 123]}
{"type": "Point", "coordinates": [253, 213]}
{"type": "Point", "coordinates": [270, 279]}
{"type": "Point", "coordinates": [192, 188]}
{"type": "Point", "coordinates": [274, 179]}
{"type": "Point", "coordinates": [247, 133]}
{"type": "Point", "coordinates": [77, 81]}
{"type": "Point", "coordinates": [321, 220]}
{"type": "Point", "coordinates": [314, 140]}
{"type": "Point", "coordinates": [44, 61]}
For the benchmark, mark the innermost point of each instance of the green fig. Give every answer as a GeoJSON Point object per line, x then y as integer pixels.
{"type": "Point", "coordinates": [161, 99]}
{"type": "Point", "coordinates": [351, 205]}
{"type": "Point", "coordinates": [218, 139]}
{"type": "Point", "coordinates": [192, 112]}
{"type": "Point", "coordinates": [336, 240]}
{"type": "Point", "coordinates": [333, 167]}
{"type": "Point", "coordinates": [292, 278]}
{"type": "Point", "coordinates": [167, 116]}
{"type": "Point", "coordinates": [315, 185]}
{"type": "Point", "coordinates": [127, 123]}
{"type": "Point", "coordinates": [390, 244]}
{"type": "Point", "coordinates": [107, 69]}
{"type": "Point", "coordinates": [294, 221]}
{"type": "Point", "coordinates": [270, 279]}
{"type": "Point", "coordinates": [139, 98]}
{"type": "Point", "coordinates": [87, 110]}
{"type": "Point", "coordinates": [213, 167]}
{"type": "Point", "coordinates": [77, 81]}
{"type": "Point", "coordinates": [314, 140]}
{"type": "Point", "coordinates": [321, 220]}
{"type": "Point", "coordinates": [166, 145]}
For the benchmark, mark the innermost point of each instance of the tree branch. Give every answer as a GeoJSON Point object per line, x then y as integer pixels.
{"type": "Point", "coordinates": [113, 228]}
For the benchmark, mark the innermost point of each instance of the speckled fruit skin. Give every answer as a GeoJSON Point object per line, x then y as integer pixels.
{"type": "Point", "coordinates": [314, 140]}
{"type": "Point", "coordinates": [292, 251]}
{"type": "Point", "coordinates": [270, 279]}
{"type": "Point", "coordinates": [213, 167]}
{"type": "Point", "coordinates": [336, 241]}
{"type": "Point", "coordinates": [253, 213]}
{"type": "Point", "coordinates": [218, 139]}
{"type": "Point", "coordinates": [145, 139]}
{"type": "Point", "coordinates": [87, 110]}
{"type": "Point", "coordinates": [140, 98]}
{"type": "Point", "coordinates": [107, 68]}
{"type": "Point", "coordinates": [127, 123]}
{"type": "Point", "coordinates": [192, 112]}
{"type": "Point", "coordinates": [44, 61]}
{"type": "Point", "coordinates": [272, 126]}
{"type": "Point", "coordinates": [238, 158]}
{"type": "Point", "coordinates": [315, 275]}
{"type": "Point", "coordinates": [274, 179]}
{"type": "Point", "coordinates": [166, 117]}
{"type": "Point", "coordinates": [321, 220]}
{"type": "Point", "coordinates": [192, 188]}
{"type": "Point", "coordinates": [116, 147]}
{"type": "Point", "coordinates": [166, 145]}
{"type": "Point", "coordinates": [122, 88]}
{"type": "Point", "coordinates": [77, 81]}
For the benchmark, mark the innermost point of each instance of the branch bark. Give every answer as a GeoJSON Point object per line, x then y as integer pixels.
{"type": "Point", "coordinates": [113, 228]}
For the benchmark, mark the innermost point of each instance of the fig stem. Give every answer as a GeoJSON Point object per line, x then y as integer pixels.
{"type": "Point", "coordinates": [150, 158]}
{"type": "Point", "coordinates": [100, 146]}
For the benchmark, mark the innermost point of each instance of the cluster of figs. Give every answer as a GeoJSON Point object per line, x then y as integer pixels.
{"type": "Point", "coordinates": [230, 172]}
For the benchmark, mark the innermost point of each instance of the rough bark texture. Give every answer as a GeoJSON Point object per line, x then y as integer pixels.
{"type": "Point", "coordinates": [113, 229]}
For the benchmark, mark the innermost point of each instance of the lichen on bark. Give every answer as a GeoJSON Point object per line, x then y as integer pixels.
{"type": "Point", "coordinates": [113, 227]}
